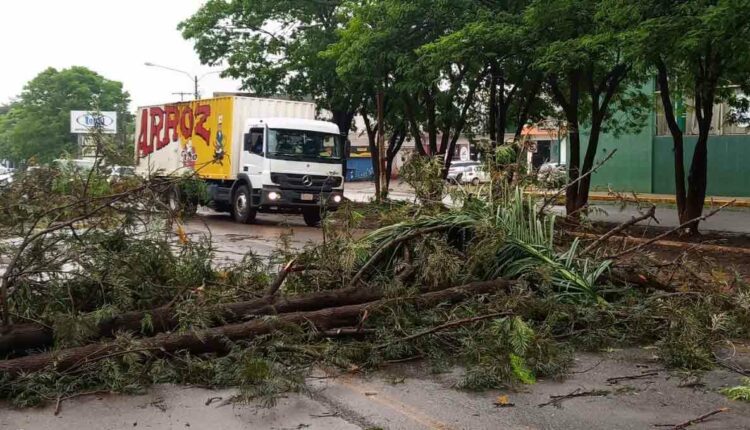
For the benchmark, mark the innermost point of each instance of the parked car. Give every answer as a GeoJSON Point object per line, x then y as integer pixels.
{"type": "Point", "coordinates": [552, 174]}
{"type": "Point", "coordinates": [121, 172]}
{"type": "Point", "coordinates": [474, 175]}
{"type": "Point", "coordinates": [457, 169]}
{"type": "Point", "coordinates": [81, 165]}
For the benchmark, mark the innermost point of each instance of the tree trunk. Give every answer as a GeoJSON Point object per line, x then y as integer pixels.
{"type": "Point", "coordinates": [343, 119]}
{"type": "Point", "coordinates": [394, 146]}
{"type": "Point", "coordinates": [431, 122]}
{"type": "Point", "coordinates": [214, 339]}
{"type": "Point", "coordinates": [373, 148]}
{"type": "Point", "coordinates": [492, 122]}
{"type": "Point", "coordinates": [588, 163]}
{"type": "Point", "coordinates": [571, 194]}
{"type": "Point", "coordinates": [677, 139]}
{"type": "Point", "coordinates": [698, 177]}
{"type": "Point", "coordinates": [416, 133]}
{"type": "Point", "coordinates": [527, 101]}
{"type": "Point", "coordinates": [380, 103]}
{"type": "Point", "coordinates": [29, 336]}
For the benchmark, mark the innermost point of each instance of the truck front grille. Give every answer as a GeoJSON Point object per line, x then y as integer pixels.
{"type": "Point", "coordinates": [311, 183]}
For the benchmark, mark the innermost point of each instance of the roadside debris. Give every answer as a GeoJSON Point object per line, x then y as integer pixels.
{"type": "Point", "coordinates": [503, 402]}
{"type": "Point", "coordinates": [618, 379]}
{"type": "Point", "coordinates": [697, 420]}
{"type": "Point", "coordinates": [556, 400]}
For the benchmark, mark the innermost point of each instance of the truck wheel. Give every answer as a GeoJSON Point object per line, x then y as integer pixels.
{"type": "Point", "coordinates": [475, 181]}
{"type": "Point", "coordinates": [311, 216]}
{"type": "Point", "coordinates": [178, 204]}
{"type": "Point", "coordinates": [173, 200]}
{"type": "Point", "coordinates": [241, 210]}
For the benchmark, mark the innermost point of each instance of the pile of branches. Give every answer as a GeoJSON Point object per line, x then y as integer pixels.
{"type": "Point", "coordinates": [489, 285]}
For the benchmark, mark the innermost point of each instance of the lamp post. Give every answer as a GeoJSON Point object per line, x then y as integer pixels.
{"type": "Point", "coordinates": [194, 78]}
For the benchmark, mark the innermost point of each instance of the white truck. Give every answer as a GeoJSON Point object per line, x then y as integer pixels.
{"type": "Point", "coordinates": [254, 154]}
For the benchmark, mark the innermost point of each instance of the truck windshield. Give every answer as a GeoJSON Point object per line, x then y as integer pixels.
{"type": "Point", "coordinates": [304, 145]}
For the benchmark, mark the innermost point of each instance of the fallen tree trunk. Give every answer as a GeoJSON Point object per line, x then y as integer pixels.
{"type": "Point", "coordinates": [214, 339]}
{"type": "Point", "coordinates": [633, 276]}
{"type": "Point", "coordinates": [21, 337]}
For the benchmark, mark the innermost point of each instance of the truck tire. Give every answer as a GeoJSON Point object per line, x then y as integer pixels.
{"type": "Point", "coordinates": [173, 200]}
{"type": "Point", "coordinates": [311, 216]}
{"type": "Point", "coordinates": [475, 181]}
{"type": "Point", "coordinates": [242, 212]}
{"type": "Point", "coordinates": [178, 205]}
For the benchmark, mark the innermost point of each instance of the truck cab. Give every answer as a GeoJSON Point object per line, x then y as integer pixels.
{"type": "Point", "coordinates": [287, 165]}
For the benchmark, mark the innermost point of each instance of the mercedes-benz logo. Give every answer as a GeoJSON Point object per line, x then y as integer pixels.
{"type": "Point", "coordinates": [307, 181]}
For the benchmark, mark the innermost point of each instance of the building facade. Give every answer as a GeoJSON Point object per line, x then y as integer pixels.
{"type": "Point", "coordinates": [644, 162]}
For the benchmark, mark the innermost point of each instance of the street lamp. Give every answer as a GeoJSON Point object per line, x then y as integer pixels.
{"type": "Point", "coordinates": [194, 78]}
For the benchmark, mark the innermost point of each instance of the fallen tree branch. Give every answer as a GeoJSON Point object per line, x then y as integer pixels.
{"type": "Point", "coordinates": [667, 233]}
{"type": "Point", "coordinates": [445, 326]}
{"type": "Point", "coordinates": [61, 399]}
{"type": "Point", "coordinates": [556, 400]}
{"type": "Point", "coordinates": [617, 379]}
{"type": "Point", "coordinates": [215, 339]}
{"type": "Point", "coordinates": [283, 273]}
{"type": "Point", "coordinates": [697, 420]}
{"type": "Point", "coordinates": [388, 245]}
{"type": "Point", "coordinates": [636, 276]}
{"type": "Point", "coordinates": [634, 220]}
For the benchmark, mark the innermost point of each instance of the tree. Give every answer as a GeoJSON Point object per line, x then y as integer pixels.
{"type": "Point", "coordinates": [272, 46]}
{"type": "Point", "coordinates": [386, 47]}
{"type": "Point", "coordinates": [512, 88]}
{"type": "Point", "coordinates": [585, 72]}
{"type": "Point", "coordinates": [37, 124]}
{"type": "Point", "coordinates": [697, 50]}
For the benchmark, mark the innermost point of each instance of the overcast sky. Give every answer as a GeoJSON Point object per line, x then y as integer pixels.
{"type": "Point", "coordinates": [111, 37]}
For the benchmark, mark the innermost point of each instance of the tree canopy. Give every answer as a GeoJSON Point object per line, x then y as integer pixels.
{"type": "Point", "coordinates": [272, 46]}
{"type": "Point", "coordinates": [37, 124]}
{"type": "Point", "coordinates": [447, 68]}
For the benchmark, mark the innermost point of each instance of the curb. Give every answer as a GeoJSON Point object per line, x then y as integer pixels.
{"type": "Point", "coordinates": [711, 201]}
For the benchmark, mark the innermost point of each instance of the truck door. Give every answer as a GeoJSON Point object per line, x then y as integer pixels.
{"type": "Point", "coordinates": [253, 150]}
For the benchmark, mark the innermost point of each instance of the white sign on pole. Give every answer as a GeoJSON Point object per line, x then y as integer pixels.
{"type": "Point", "coordinates": [463, 153]}
{"type": "Point", "coordinates": [83, 122]}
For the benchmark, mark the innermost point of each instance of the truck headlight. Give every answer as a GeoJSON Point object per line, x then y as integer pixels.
{"type": "Point", "coordinates": [273, 195]}
{"type": "Point", "coordinates": [337, 198]}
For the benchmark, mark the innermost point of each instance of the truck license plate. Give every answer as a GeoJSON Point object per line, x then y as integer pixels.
{"type": "Point", "coordinates": [307, 197]}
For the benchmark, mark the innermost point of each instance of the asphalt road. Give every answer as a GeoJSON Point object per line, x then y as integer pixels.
{"type": "Point", "coordinates": [232, 240]}
{"type": "Point", "coordinates": [410, 397]}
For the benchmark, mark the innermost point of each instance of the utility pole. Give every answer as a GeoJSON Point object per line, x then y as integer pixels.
{"type": "Point", "coordinates": [182, 95]}
{"type": "Point", "coordinates": [194, 78]}
{"type": "Point", "coordinates": [381, 150]}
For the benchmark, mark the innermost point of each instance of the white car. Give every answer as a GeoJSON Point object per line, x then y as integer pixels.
{"type": "Point", "coordinates": [457, 169]}
{"type": "Point", "coordinates": [121, 172]}
{"type": "Point", "coordinates": [474, 175]}
{"type": "Point", "coordinates": [553, 174]}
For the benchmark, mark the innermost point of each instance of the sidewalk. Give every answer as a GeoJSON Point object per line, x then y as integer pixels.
{"type": "Point", "coordinates": [601, 196]}
{"type": "Point", "coordinates": [400, 189]}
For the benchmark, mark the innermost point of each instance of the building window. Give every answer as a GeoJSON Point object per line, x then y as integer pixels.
{"type": "Point", "coordinates": [728, 117]}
